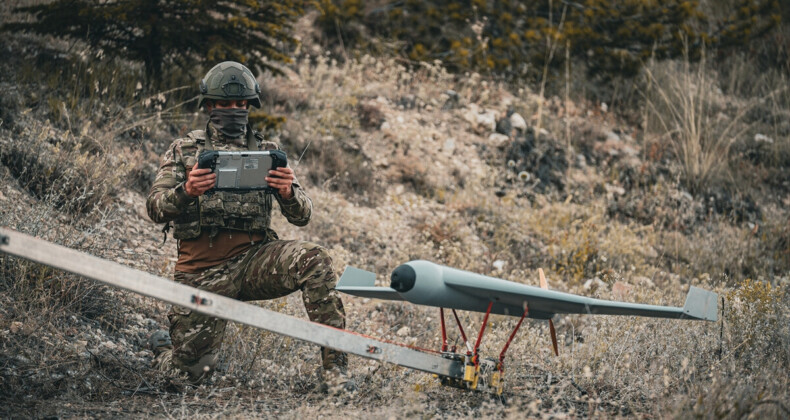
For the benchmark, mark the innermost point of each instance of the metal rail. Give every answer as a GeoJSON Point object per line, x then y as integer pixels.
{"type": "Point", "coordinates": [121, 276]}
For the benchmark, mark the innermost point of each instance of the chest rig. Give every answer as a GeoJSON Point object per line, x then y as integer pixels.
{"type": "Point", "coordinates": [245, 212]}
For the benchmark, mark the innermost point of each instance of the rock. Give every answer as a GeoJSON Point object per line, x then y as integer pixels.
{"type": "Point", "coordinates": [452, 100]}
{"type": "Point", "coordinates": [504, 126]}
{"type": "Point", "coordinates": [481, 120]}
{"type": "Point", "coordinates": [449, 146]}
{"type": "Point", "coordinates": [593, 284]}
{"type": "Point", "coordinates": [408, 101]}
{"type": "Point", "coordinates": [621, 290]}
{"type": "Point", "coordinates": [498, 139]}
{"type": "Point", "coordinates": [518, 122]}
{"type": "Point", "coordinates": [487, 120]}
{"type": "Point", "coordinates": [613, 189]}
{"type": "Point", "coordinates": [762, 137]}
{"type": "Point", "coordinates": [499, 265]}
{"type": "Point", "coordinates": [403, 331]}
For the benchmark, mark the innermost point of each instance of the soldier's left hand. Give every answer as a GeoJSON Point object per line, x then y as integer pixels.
{"type": "Point", "coordinates": [282, 179]}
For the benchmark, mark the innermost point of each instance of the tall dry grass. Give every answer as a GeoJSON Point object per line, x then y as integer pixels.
{"type": "Point", "coordinates": [686, 107]}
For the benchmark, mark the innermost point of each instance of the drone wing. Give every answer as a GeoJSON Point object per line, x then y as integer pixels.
{"type": "Point", "coordinates": [700, 304]}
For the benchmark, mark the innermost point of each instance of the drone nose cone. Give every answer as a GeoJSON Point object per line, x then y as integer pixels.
{"type": "Point", "coordinates": [402, 279]}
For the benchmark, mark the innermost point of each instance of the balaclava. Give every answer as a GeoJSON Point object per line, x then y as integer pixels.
{"type": "Point", "coordinates": [230, 122]}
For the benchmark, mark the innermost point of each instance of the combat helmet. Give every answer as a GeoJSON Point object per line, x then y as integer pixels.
{"type": "Point", "coordinates": [230, 80]}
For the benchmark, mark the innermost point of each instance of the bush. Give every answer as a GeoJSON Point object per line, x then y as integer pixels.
{"type": "Point", "coordinates": [70, 173]}
{"type": "Point", "coordinates": [170, 33]}
{"type": "Point", "coordinates": [687, 109]}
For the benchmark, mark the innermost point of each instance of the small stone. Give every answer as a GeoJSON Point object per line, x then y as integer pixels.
{"type": "Point", "coordinates": [449, 146]}
{"type": "Point", "coordinates": [593, 284]}
{"type": "Point", "coordinates": [497, 138]}
{"type": "Point", "coordinates": [486, 121]}
{"type": "Point", "coordinates": [620, 289]}
{"type": "Point", "coordinates": [518, 122]}
{"type": "Point", "coordinates": [403, 331]}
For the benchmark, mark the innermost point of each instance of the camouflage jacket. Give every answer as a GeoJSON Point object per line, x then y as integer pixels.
{"type": "Point", "coordinates": [250, 212]}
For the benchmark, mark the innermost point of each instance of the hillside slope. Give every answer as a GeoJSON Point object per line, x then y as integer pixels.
{"type": "Point", "coordinates": [404, 164]}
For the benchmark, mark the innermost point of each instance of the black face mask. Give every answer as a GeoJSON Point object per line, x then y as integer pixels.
{"type": "Point", "coordinates": [231, 122]}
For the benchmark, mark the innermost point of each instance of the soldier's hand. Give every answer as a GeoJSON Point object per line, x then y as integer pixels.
{"type": "Point", "coordinates": [199, 181]}
{"type": "Point", "coordinates": [282, 179]}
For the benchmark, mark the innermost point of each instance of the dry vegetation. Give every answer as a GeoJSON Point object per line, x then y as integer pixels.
{"type": "Point", "coordinates": [404, 163]}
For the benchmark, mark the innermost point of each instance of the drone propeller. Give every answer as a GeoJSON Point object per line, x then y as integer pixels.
{"type": "Point", "coordinates": [545, 285]}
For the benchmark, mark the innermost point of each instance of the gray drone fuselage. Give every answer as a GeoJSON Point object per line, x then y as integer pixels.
{"type": "Point", "coordinates": [427, 283]}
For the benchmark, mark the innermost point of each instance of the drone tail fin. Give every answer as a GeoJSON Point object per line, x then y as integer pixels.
{"type": "Point", "coordinates": [701, 304]}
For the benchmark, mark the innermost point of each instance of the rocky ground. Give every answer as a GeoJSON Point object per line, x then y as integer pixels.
{"type": "Point", "coordinates": [408, 164]}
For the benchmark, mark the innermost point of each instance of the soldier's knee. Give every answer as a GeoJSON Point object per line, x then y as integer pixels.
{"type": "Point", "coordinates": [313, 250]}
{"type": "Point", "coordinates": [323, 256]}
{"type": "Point", "coordinates": [200, 369]}
{"type": "Point", "coordinates": [315, 256]}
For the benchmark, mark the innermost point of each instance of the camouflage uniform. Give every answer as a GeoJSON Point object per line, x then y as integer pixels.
{"type": "Point", "coordinates": [270, 269]}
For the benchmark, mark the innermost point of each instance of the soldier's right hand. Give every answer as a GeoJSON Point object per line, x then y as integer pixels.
{"type": "Point", "coordinates": [199, 180]}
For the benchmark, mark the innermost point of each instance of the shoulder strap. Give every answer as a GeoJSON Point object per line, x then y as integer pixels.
{"type": "Point", "coordinates": [209, 145]}
{"type": "Point", "coordinates": [252, 142]}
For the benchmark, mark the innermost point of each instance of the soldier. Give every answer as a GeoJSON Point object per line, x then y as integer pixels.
{"type": "Point", "coordinates": [225, 243]}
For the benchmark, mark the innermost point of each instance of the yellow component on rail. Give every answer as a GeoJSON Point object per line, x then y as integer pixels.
{"type": "Point", "coordinates": [477, 377]}
{"type": "Point", "coordinates": [497, 382]}
{"type": "Point", "coordinates": [469, 373]}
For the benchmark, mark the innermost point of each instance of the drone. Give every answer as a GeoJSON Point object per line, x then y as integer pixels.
{"type": "Point", "coordinates": [430, 284]}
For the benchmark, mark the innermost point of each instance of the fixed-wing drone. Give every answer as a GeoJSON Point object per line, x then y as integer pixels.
{"type": "Point", "coordinates": [426, 283]}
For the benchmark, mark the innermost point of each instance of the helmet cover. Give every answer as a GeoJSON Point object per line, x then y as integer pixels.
{"type": "Point", "coordinates": [230, 80]}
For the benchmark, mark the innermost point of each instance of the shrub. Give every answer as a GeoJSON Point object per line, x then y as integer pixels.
{"type": "Point", "coordinates": [512, 39]}
{"type": "Point", "coordinates": [63, 170]}
{"type": "Point", "coordinates": [687, 109]}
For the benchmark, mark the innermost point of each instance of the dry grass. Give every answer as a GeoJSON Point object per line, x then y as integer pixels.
{"type": "Point", "coordinates": [687, 108]}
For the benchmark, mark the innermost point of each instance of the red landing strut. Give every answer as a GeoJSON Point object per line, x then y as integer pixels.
{"type": "Point", "coordinates": [513, 334]}
{"type": "Point", "coordinates": [480, 335]}
{"type": "Point", "coordinates": [463, 334]}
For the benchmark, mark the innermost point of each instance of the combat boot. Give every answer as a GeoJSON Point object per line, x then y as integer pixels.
{"type": "Point", "coordinates": [160, 342]}
{"type": "Point", "coordinates": [334, 376]}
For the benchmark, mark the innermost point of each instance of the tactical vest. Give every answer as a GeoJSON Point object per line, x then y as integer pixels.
{"type": "Point", "coordinates": [248, 212]}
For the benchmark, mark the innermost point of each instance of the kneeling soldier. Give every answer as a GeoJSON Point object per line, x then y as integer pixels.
{"type": "Point", "coordinates": [225, 243]}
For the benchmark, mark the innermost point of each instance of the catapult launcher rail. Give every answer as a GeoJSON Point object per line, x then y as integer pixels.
{"type": "Point", "coordinates": [121, 276]}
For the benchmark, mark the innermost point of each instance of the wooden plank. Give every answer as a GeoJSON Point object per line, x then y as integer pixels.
{"type": "Point", "coordinates": [121, 276]}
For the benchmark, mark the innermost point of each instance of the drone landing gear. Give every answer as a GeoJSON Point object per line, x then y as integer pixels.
{"type": "Point", "coordinates": [480, 374]}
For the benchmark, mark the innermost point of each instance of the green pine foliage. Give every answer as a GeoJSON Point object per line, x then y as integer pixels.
{"type": "Point", "coordinates": [171, 34]}
{"type": "Point", "coordinates": [514, 38]}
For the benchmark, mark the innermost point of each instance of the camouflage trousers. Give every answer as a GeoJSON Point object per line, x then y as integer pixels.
{"type": "Point", "coordinates": [266, 271]}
